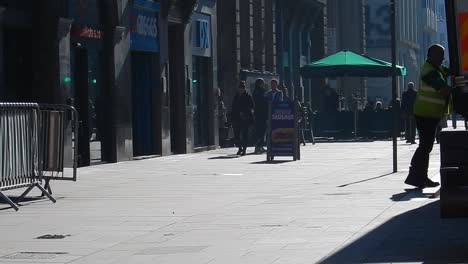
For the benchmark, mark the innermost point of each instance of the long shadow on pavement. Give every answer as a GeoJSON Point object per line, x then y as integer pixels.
{"type": "Point", "coordinates": [410, 194]}
{"type": "Point", "coordinates": [419, 235]}
{"type": "Point", "coordinates": [229, 156]}
{"type": "Point", "coordinates": [273, 162]}
{"type": "Point", "coordinates": [370, 179]}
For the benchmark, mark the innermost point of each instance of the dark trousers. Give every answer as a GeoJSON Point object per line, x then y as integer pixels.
{"type": "Point", "coordinates": [420, 162]}
{"type": "Point", "coordinates": [241, 135]}
{"type": "Point", "coordinates": [260, 129]}
{"type": "Point", "coordinates": [410, 128]}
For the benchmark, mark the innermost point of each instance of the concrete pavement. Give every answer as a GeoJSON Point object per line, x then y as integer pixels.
{"type": "Point", "coordinates": [339, 204]}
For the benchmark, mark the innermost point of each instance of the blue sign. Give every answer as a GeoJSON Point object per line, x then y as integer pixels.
{"type": "Point", "coordinates": [202, 35]}
{"type": "Point", "coordinates": [144, 26]}
{"type": "Point", "coordinates": [282, 129]}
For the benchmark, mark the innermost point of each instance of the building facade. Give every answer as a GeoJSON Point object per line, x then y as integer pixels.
{"type": "Point", "coordinates": [134, 70]}
{"type": "Point", "coordinates": [416, 31]}
{"type": "Point", "coordinates": [347, 31]}
{"type": "Point", "coordinates": [246, 44]}
{"type": "Point", "coordinates": [301, 38]}
{"type": "Point", "coordinates": [269, 39]}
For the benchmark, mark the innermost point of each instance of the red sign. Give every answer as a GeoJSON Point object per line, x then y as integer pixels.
{"type": "Point", "coordinates": [86, 32]}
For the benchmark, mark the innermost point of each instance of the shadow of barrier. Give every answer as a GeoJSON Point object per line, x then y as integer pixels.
{"type": "Point", "coordinates": [33, 140]}
{"type": "Point", "coordinates": [416, 236]}
{"type": "Point", "coordinates": [341, 125]}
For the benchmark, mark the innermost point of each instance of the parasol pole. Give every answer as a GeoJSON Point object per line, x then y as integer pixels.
{"type": "Point", "coordinates": [394, 85]}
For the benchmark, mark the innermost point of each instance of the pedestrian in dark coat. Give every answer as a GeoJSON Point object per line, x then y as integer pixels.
{"type": "Point", "coordinates": [242, 117]}
{"type": "Point", "coordinates": [407, 105]}
{"type": "Point", "coordinates": [261, 115]}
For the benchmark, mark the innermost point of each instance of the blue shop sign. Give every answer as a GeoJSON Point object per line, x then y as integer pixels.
{"type": "Point", "coordinates": [201, 35]}
{"type": "Point", "coordinates": [144, 26]}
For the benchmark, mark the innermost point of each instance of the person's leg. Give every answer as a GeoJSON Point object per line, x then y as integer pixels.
{"type": "Point", "coordinates": [237, 139]}
{"type": "Point", "coordinates": [244, 139]}
{"type": "Point", "coordinates": [412, 130]}
{"type": "Point", "coordinates": [407, 128]}
{"type": "Point", "coordinates": [262, 136]}
{"type": "Point", "coordinates": [419, 163]}
{"type": "Point", "coordinates": [260, 128]}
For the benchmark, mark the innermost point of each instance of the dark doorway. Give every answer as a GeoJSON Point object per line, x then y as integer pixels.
{"type": "Point", "coordinates": [80, 77]}
{"type": "Point", "coordinates": [89, 101]}
{"type": "Point", "coordinates": [17, 65]}
{"type": "Point", "coordinates": [176, 88]}
{"type": "Point", "coordinates": [200, 101]}
{"type": "Point", "coordinates": [145, 86]}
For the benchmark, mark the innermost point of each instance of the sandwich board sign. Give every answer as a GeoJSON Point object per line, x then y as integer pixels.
{"type": "Point", "coordinates": [283, 139]}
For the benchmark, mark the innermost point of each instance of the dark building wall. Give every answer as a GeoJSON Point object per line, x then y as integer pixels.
{"type": "Point", "coordinates": [228, 54]}
{"type": "Point", "coordinates": [300, 39]}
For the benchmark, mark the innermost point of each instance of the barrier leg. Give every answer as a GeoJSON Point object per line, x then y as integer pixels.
{"type": "Point", "coordinates": [45, 192]}
{"type": "Point", "coordinates": [21, 198]}
{"type": "Point", "coordinates": [9, 201]}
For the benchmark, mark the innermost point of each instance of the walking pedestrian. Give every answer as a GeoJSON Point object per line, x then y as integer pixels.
{"type": "Point", "coordinates": [274, 94]}
{"type": "Point", "coordinates": [242, 117]}
{"type": "Point", "coordinates": [429, 108]}
{"type": "Point", "coordinates": [261, 115]}
{"type": "Point", "coordinates": [407, 105]}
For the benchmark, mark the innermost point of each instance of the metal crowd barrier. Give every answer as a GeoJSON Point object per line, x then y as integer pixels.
{"type": "Point", "coordinates": [59, 143]}
{"type": "Point", "coordinates": [20, 161]}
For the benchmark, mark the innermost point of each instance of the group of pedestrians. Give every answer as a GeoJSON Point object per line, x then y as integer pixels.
{"type": "Point", "coordinates": [248, 111]}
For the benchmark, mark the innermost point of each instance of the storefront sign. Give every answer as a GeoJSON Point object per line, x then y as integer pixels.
{"type": "Point", "coordinates": [81, 31]}
{"type": "Point", "coordinates": [144, 27]}
{"type": "Point", "coordinates": [202, 34]}
{"type": "Point", "coordinates": [283, 134]}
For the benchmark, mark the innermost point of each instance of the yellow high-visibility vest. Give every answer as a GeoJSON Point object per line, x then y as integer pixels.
{"type": "Point", "coordinates": [429, 102]}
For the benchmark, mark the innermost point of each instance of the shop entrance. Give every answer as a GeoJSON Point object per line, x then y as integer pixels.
{"type": "Point", "coordinates": [146, 128]}
{"type": "Point", "coordinates": [176, 88]}
{"type": "Point", "coordinates": [200, 101]}
{"type": "Point", "coordinates": [86, 64]}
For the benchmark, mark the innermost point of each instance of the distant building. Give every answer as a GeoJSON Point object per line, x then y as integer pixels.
{"type": "Point", "coordinates": [442, 36]}
{"type": "Point", "coordinates": [416, 31]}
{"type": "Point", "coordinates": [269, 39]}
{"type": "Point", "coordinates": [347, 31]}
{"type": "Point", "coordinates": [300, 38]}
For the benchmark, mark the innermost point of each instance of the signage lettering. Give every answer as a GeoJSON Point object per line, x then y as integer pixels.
{"type": "Point", "coordinates": [144, 30]}
{"type": "Point", "coordinates": [203, 34]}
{"type": "Point", "coordinates": [86, 32]}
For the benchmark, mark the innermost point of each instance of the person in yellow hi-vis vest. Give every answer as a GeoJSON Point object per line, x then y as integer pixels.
{"type": "Point", "coordinates": [429, 108]}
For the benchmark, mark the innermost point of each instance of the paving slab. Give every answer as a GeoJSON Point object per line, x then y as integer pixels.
{"type": "Point", "coordinates": [340, 203]}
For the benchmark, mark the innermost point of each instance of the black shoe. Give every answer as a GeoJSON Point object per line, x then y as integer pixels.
{"type": "Point", "coordinates": [239, 152]}
{"type": "Point", "coordinates": [414, 180]}
{"type": "Point", "coordinates": [415, 184]}
{"type": "Point", "coordinates": [243, 153]}
{"type": "Point", "coordinates": [431, 184]}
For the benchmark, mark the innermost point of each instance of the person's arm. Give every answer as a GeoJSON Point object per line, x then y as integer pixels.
{"type": "Point", "coordinates": [434, 80]}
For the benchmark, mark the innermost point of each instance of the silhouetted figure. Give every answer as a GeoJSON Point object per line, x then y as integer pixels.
{"type": "Point", "coordinates": [330, 100]}
{"type": "Point", "coordinates": [407, 105]}
{"type": "Point", "coordinates": [261, 115]}
{"type": "Point", "coordinates": [378, 107]}
{"type": "Point", "coordinates": [242, 117]}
